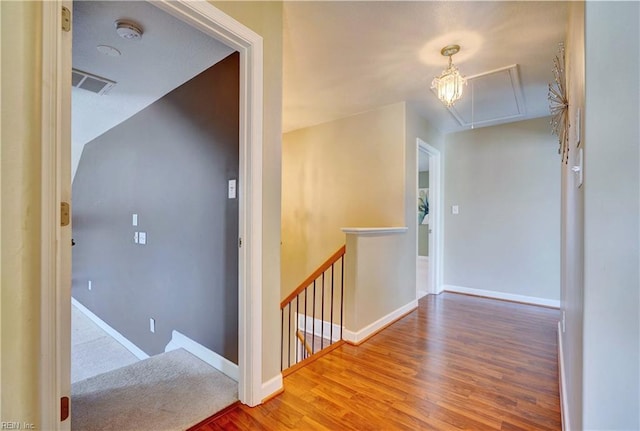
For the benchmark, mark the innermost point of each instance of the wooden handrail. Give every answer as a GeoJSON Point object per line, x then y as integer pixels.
{"type": "Point", "coordinates": [304, 342]}
{"type": "Point", "coordinates": [317, 273]}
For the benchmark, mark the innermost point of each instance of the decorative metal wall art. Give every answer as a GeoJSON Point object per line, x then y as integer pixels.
{"type": "Point", "coordinates": [559, 104]}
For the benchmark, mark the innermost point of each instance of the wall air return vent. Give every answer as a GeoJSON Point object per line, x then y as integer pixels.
{"type": "Point", "coordinates": [89, 82]}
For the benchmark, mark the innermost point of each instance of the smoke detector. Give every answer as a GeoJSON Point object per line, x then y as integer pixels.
{"type": "Point", "coordinates": [128, 30]}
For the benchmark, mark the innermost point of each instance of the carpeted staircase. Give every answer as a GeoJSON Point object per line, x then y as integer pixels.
{"type": "Point", "coordinates": [172, 391]}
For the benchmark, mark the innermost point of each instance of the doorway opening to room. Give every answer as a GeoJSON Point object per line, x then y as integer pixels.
{"type": "Point", "coordinates": [429, 230]}
{"type": "Point", "coordinates": [56, 356]}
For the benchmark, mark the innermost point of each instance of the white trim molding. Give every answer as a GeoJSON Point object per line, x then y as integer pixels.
{"type": "Point", "coordinates": [533, 300]}
{"type": "Point", "coordinates": [564, 402]}
{"type": "Point", "coordinates": [126, 343]}
{"type": "Point", "coordinates": [424, 278]}
{"type": "Point", "coordinates": [436, 219]}
{"type": "Point", "coordinates": [222, 364]}
{"type": "Point", "coordinates": [373, 230]}
{"type": "Point", "coordinates": [357, 337]}
{"type": "Point", "coordinates": [55, 317]}
{"type": "Point", "coordinates": [272, 386]}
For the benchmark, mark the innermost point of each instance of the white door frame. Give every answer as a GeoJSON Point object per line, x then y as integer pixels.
{"type": "Point", "coordinates": [435, 214]}
{"type": "Point", "coordinates": [55, 379]}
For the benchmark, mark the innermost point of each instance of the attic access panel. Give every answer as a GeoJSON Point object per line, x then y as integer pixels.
{"type": "Point", "coordinates": [491, 98]}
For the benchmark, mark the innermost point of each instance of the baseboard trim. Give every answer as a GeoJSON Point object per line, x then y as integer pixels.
{"type": "Point", "coordinates": [564, 404]}
{"type": "Point", "coordinates": [137, 351]}
{"type": "Point", "coordinates": [225, 366]}
{"type": "Point", "coordinates": [319, 328]}
{"type": "Point", "coordinates": [533, 300]}
{"type": "Point", "coordinates": [359, 337]}
{"type": "Point", "coordinates": [272, 388]}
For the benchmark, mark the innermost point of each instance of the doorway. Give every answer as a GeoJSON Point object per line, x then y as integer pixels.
{"type": "Point", "coordinates": [144, 267]}
{"type": "Point", "coordinates": [425, 237]}
{"type": "Point", "coordinates": [56, 174]}
{"type": "Point", "coordinates": [429, 229]}
{"type": "Point", "coordinates": [155, 256]}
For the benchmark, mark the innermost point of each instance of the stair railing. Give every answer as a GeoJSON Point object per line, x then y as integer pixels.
{"type": "Point", "coordinates": [302, 334]}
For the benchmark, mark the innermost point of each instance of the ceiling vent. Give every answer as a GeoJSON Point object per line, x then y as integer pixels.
{"type": "Point", "coordinates": [89, 82]}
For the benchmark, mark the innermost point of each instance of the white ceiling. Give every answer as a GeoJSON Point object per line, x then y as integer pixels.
{"type": "Point", "coordinates": [343, 58]}
{"type": "Point", "coordinates": [340, 58]}
{"type": "Point", "coordinates": [169, 54]}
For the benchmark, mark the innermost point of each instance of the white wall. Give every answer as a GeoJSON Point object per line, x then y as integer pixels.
{"type": "Point", "coordinates": [572, 231]}
{"type": "Point", "coordinates": [376, 286]}
{"type": "Point", "coordinates": [344, 173]}
{"type": "Point", "coordinates": [611, 336]}
{"type": "Point", "coordinates": [506, 182]}
{"type": "Point", "coordinates": [359, 171]}
{"type": "Point", "coordinates": [20, 32]}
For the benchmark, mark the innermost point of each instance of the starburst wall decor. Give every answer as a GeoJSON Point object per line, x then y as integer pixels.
{"type": "Point", "coordinates": [559, 105]}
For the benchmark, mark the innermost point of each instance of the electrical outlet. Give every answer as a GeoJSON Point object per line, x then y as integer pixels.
{"type": "Point", "coordinates": [89, 285]}
{"type": "Point", "coordinates": [152, 325]}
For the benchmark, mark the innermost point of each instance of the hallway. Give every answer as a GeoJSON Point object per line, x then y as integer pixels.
{"type": "Point", "coordinates": [457, 362]}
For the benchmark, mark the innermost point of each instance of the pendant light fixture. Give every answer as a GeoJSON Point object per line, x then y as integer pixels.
{"type": "Point", "coordinates": [450, 83]}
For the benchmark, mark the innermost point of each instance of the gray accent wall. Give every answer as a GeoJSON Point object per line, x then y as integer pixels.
{"type": "Point", "coordinates": [170, 164]}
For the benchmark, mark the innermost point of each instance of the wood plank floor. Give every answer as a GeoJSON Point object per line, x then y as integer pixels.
{"type": "Point", "coordinates": [457, 362]}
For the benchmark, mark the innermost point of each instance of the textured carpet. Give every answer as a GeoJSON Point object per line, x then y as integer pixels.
{"type": "Point", "coordinates": [93, 351]}
{"type": "Point", "coordinates": [172, 391]}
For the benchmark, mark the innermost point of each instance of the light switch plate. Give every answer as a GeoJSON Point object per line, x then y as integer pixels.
{"type": "Point", "coordinates": [455, 209]}
{"type": "Point", "coordinates": [232, 189]}
{"type": "Point", "coordinates": [135, 237]}
{"type": "Point", "coordinates": [142, 237]}
{"type": "Point", "coordinates": [134, 220]}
